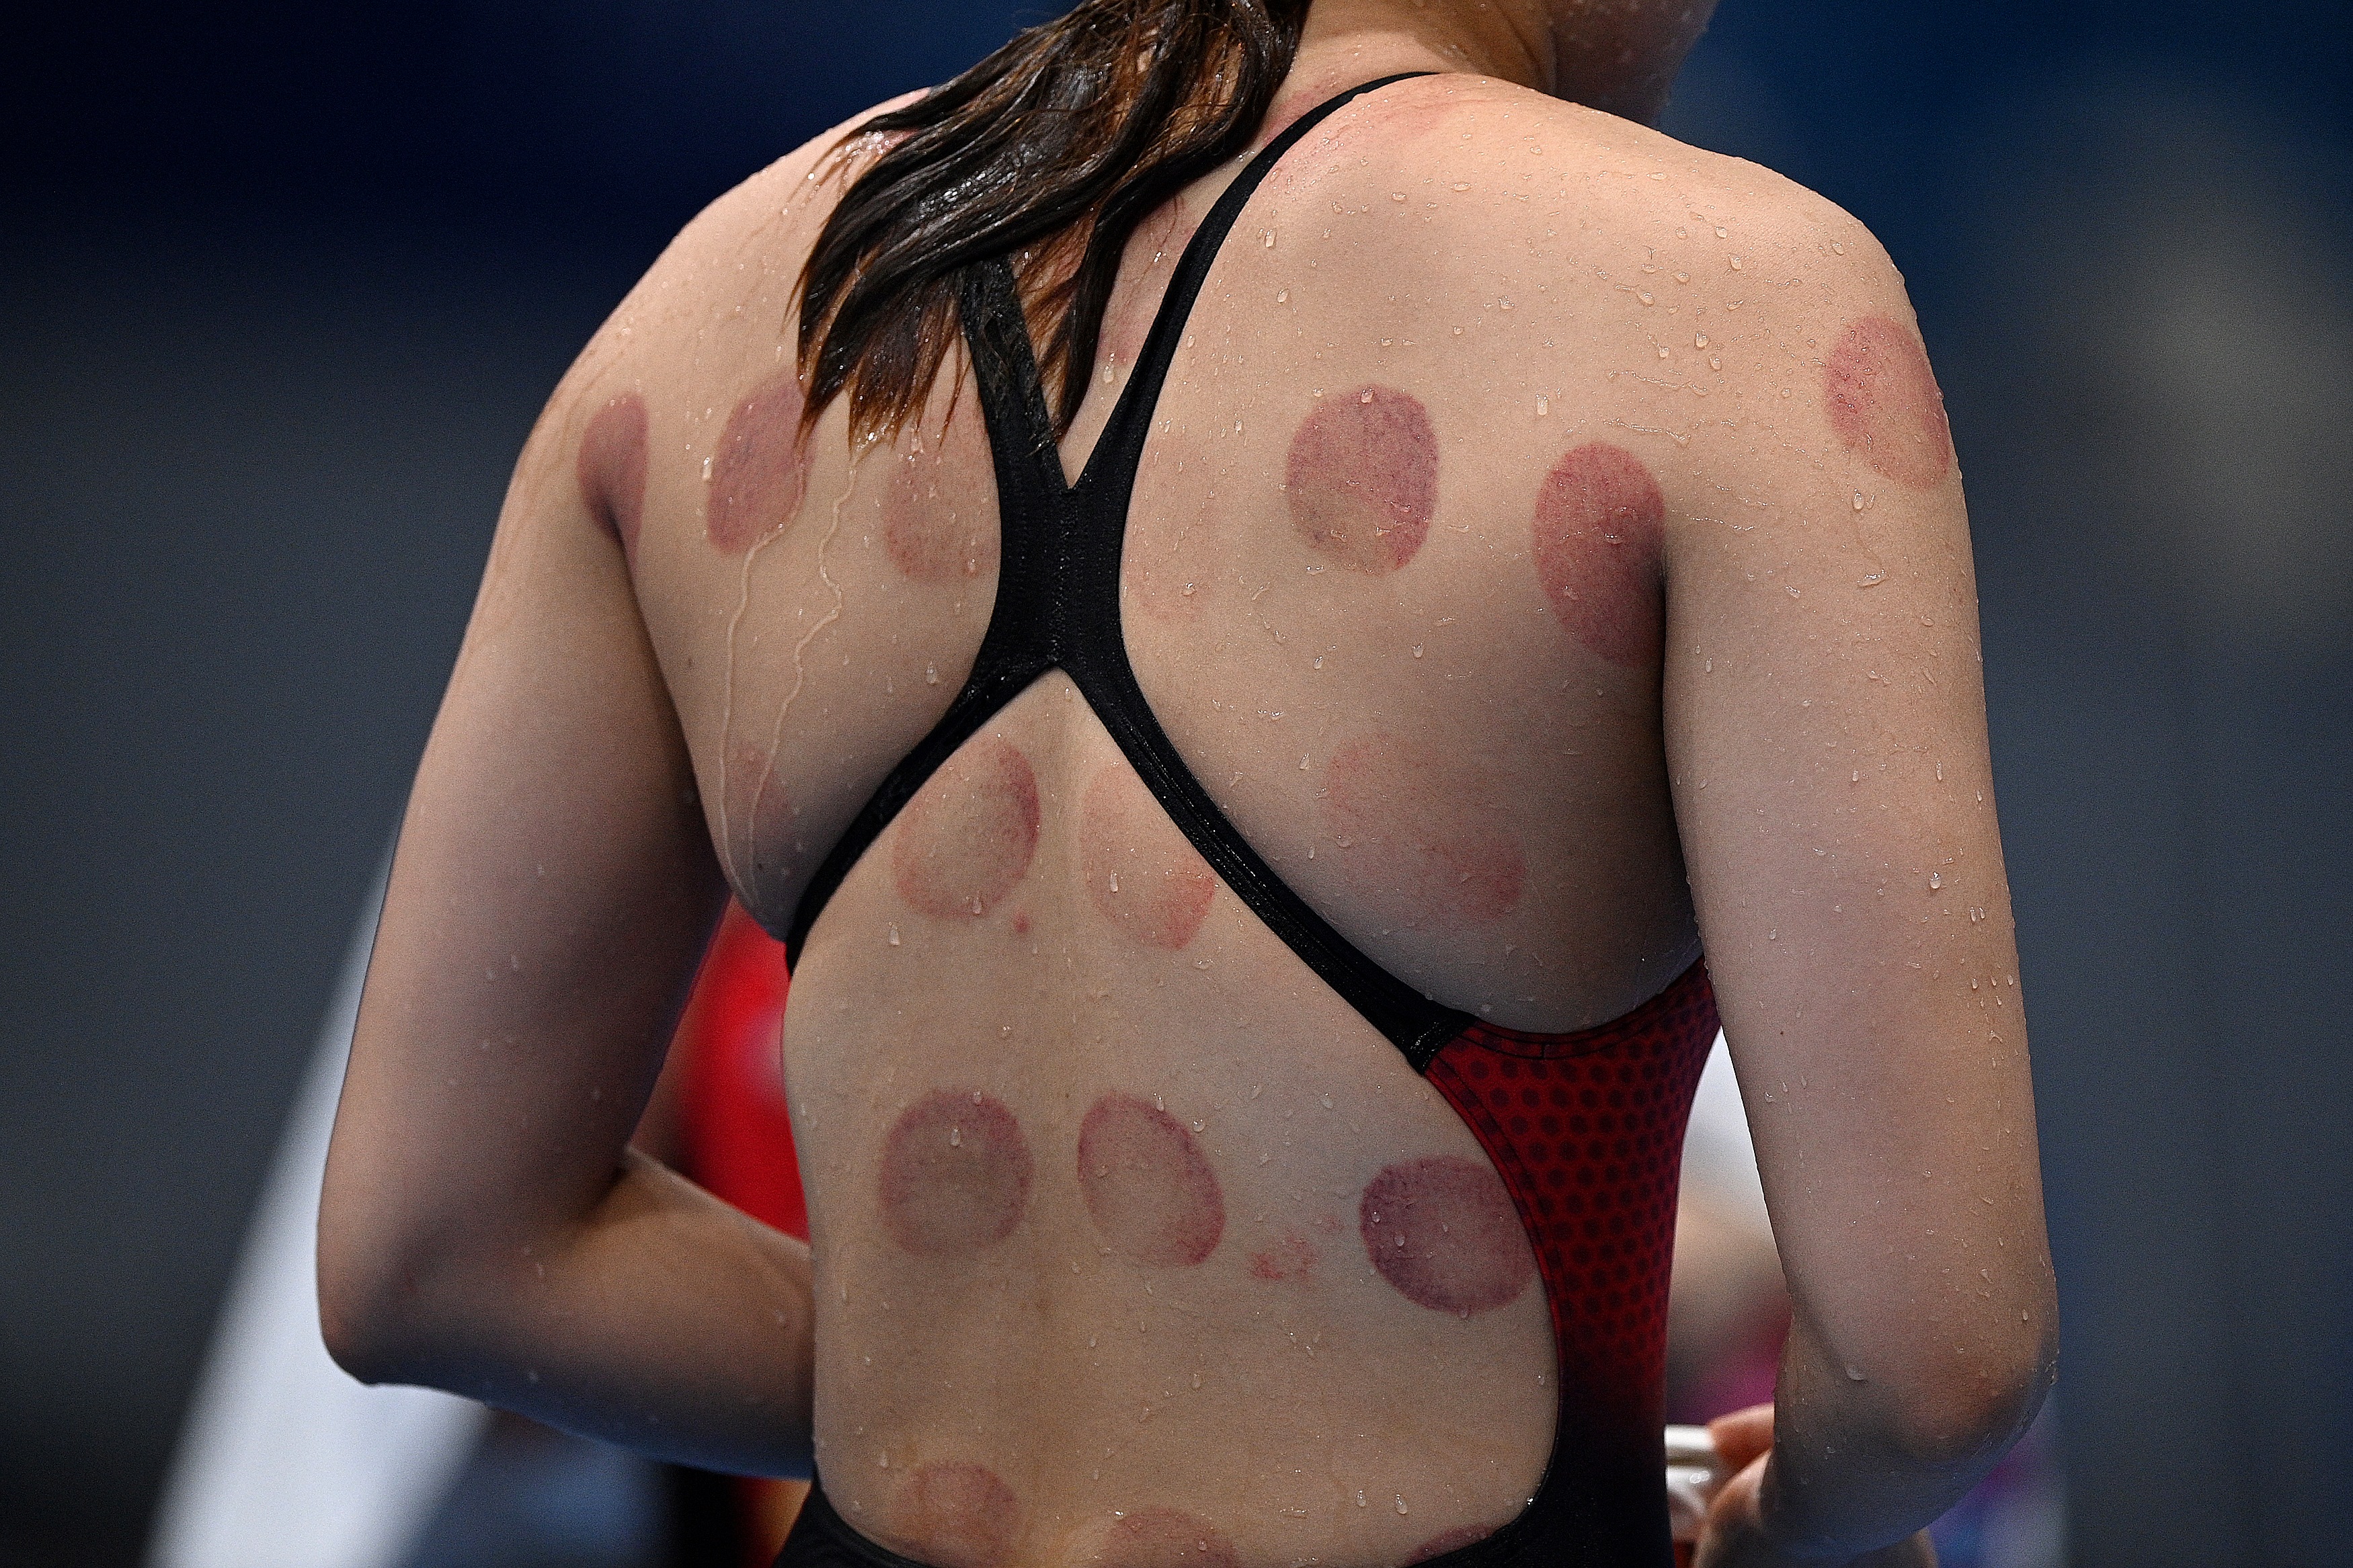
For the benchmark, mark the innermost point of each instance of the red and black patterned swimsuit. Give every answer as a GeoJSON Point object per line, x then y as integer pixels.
{"type": "Point", "coordinates": [1586, 1129]}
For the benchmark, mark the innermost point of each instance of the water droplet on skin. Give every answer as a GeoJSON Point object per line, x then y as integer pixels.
{"type": "Point", "coordinates": [1326, 1100]}
{"type": "Point", "coordinates": [1700, 342]}
{"type": "Point", "coordinates": [1643, 295]}
{"type": "Point", "coordinates": [1503, 304]}
{"type": "Point", "coordinates": [1662, 354]}
{"type": "Point", "coordinates": [1835, 246]}
{"type": "Point", "coordinates": [894, 934]}
{"type": "Point", "coordinates": [1719, 234]}
{"type": "Point", "coordinates": [1114, 881]}
{"type": "Point", "coordinates": [1458, 186]}
{"type": "Point", "coordinates": [1543, 407]}
{"type": "Point", "coordinates": [1282, 296]}
{"type": "Point", "coordinates": [1400, 1505]}
{"type": "Point", "coordinates": [1858, 500]}
{"type": "Point", "coordinates": [931, 675]}
{"type": "Point", "coordinates": [1855, 1374]}
{"type": "Point", "coordinates": [1269, 239]}
{"type": "Point", "coordinates": [1714, 363]}
{"type": "Point", "coordinates": [1360, 1497]}
{"type": "Point", "coordinates": [956, 1137]}
{"type": "Point", "coordinates": [1682, 276]}
{"type": "Point", "coordinates": [1736, 264]}
{"type": "Point", "coordinates": [884, 1461]}
{"type": "Point", "coordinates": [1397, 195]}
{"type": "Point", "coordinates": [1936, 879]}
{"type": "Point", "coordinates": [1416, 650]}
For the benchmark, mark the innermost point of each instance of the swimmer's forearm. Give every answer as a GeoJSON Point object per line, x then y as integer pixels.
{"type": "Point", "coordinates": [663, 1320]}
{"type": "Point", "coordinates": [1859, 1466]}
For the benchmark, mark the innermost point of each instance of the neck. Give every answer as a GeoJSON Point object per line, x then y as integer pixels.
{"type": "Point", "coordinates": [1606, 54]}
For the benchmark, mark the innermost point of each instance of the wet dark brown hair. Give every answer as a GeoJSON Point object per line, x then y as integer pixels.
{"type": "Point", "coordinates": [1053, 148]}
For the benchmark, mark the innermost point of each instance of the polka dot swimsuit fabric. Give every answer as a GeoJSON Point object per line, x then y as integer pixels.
{"type": "Point", "coordinates": [1587, 1130]}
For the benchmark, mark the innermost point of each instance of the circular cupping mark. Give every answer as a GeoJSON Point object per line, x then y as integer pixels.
{"type": "Point", "coordinates": [1883, 401]}
{"type": "Point", "coordinates": [1362, 480]}
{"type": "Point", "coordinates": [954, 1174]}
{"type": "Point", "coordinates": [1444, 1233]}
{"type": "Point", "coordinates": [1598, 529]}
{"type": "Point", "coordinates": [1164, 1538]}
{"type": "Point", "coordinates": [959, 1515]}
{"type": "Point", "coordinates": [965, 840]}
{"type": "Point", "coordinates": [1148, 1189]}
{"type": "Point", "coordinates": [1141, 874]}
{"type": "Point", "coordinates": [755, 474]}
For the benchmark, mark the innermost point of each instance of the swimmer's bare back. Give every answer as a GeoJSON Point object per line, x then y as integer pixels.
{"type": "Point", "coordinates": [1547, 551]}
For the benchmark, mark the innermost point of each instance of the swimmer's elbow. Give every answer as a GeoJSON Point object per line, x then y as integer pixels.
{"type": "Point", "coordinates": [1968, 1414]}
{"type": "Point", "coordinates": [375, 1318]}
{"type": "Point", "coordinates": [391, 1305]}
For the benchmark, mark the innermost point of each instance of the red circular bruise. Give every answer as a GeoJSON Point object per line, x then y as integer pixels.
{"type": "Point", "coordinates": [954, 1175]}
{"type": "Point", "coordinates": [1148, 1189]}
{"type": "Point", "coordinates": [1883, 401]}
{"type": "Point", "coordinates": [1415, 840]}
{"type": "Point", "coordinates": [965, 840]}
{"type": "Point", "coordinates": [759, 821]}
{"type": "Point", "coordinates": [755, 474]}
{"type": "Point", "coordinates": [1362, 481]}
{"type": "Point", "coordinates": [1141, 873]}
{"type": "Point", "coordinates": [1164, 1538]}
{"type": "Point", "coordinates": [1453, 1540]}
{"type": "Point", "coordinates": [1445, 1233]}
{"type": "Point", "coordinates": [959, 1515]}
{"type": "Point", "coordinates": [937, 503]}
{"type": "Point", "coordinates": [1599, 529]}
{"type": "Point", "coordinates": [611, 469]}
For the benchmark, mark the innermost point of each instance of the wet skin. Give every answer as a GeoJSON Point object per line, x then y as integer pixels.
{"type": "Point", "coordinates": [1133, 1244]}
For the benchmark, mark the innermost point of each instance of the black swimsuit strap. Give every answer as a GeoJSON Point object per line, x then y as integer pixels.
{"type": "Point", "coordinates": [1058, 607]}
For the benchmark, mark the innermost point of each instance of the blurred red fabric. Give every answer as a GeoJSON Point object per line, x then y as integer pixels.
{"type": "Point", "coordinates": [739, 1140]}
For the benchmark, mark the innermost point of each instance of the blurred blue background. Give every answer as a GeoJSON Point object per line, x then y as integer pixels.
{"type": "Point", "coordinates": [285, 285]}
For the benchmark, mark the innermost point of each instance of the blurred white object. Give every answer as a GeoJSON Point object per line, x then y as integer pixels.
{"type": "Point", "coordinates": [1719, 1156]}
{"type": "Point", "coordinates": [1695, 1473]}
{"type": "Point", "coordinates": [285, 1460]}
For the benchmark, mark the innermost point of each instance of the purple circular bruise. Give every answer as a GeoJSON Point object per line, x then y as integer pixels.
{"type": "Point", "coordinates": [1883, 401]}
{"type": "Point", "coordinates": [755, 473]}
{"type": "Point", "coordinates": [1444, 1232]}
{"type": "Point", "coordinates": [954, 1174]}
{"type": "Point", "coordinates": [959, 1515]}
{"type": "Point", "coordinates": [1148, 1189]}
{"type": "Point", "coordinates": [1600, 525]}
{"type": "Point", "coordinates": [1164, 1538]}
{"type": "Point", "coordinates": [1362, 480]}
{"type": "Point", "coordinates": [966, 838]}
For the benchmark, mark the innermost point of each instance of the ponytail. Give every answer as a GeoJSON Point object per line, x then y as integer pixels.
{"type": "Point", "coordinates": [1056, 146]}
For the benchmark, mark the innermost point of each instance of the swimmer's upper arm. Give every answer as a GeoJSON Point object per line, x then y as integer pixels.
{"type": "Point", "coordinates": [1827, 742]}
{"type": "Point", "coordinates": [551, 890]}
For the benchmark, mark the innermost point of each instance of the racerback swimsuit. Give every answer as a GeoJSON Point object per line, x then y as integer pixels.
{"type": "Point", "coordinates": [1585, 1129]}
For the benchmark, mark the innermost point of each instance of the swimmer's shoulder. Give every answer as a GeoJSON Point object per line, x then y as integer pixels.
{"type": "Point", "coordinates": [739, 259]}
{"type": "Point", "coordinates": [1698, 301]}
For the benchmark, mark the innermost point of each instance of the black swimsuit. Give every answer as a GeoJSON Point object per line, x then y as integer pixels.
{"type": "Point", "coordinates": [1586, 1129]}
